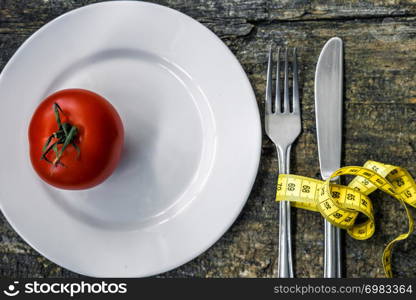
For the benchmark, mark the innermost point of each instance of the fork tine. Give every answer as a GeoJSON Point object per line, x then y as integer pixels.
{"type": "Point", "coordinates": [278, 102]}
{"type": "Point", "coordinates": [286, 88]}
{"type": "Point", "coordinates": [296, 106]}
{"type": "Point", "coordinates": [269, 81]}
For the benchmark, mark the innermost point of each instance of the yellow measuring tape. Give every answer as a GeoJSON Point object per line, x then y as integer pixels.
{"type": "Point", "coordinates": [341, 205]}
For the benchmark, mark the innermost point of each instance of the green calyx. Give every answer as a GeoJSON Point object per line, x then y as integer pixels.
{"type": "Point", "coordinates": [65, 136]}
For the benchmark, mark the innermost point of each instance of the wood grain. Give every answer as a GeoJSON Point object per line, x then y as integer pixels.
{"type": "Point", "coordinates": [379, 124]}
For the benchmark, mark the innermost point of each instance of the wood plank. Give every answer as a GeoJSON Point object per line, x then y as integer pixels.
{"type": "Point", "coordinates": [379, 123]}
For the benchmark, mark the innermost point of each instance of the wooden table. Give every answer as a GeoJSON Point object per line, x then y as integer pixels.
{"type": "Point", "coordinates": [379, 124]}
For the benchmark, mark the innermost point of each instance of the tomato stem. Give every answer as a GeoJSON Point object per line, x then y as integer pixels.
{"type": "Point", "coordinates": [65, 136]}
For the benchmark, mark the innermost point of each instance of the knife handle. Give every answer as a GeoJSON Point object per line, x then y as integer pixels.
{"type": "Point", "coordinates": [332, 251]}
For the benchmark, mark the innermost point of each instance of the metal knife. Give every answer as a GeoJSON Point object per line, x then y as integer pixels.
{"type": "Point", "coordinates": [328, 110]}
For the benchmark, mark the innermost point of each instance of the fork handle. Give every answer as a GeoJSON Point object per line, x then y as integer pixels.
{"type": "Point", "coordinates": [285, 262]}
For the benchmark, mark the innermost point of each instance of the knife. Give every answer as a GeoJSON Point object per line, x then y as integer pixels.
{"type": "Point", "coordinates": [328, 111]}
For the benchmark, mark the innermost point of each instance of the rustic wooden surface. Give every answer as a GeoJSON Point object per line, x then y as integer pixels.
{"type": "Point", "coordinates": [379, 123]}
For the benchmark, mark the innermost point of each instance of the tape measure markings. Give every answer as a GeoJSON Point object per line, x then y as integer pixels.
{"type": "Point", "coordinates": [341, 205]}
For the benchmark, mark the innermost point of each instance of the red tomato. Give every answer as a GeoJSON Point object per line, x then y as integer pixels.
{"type": "Point", "coordinates": [89, 139]}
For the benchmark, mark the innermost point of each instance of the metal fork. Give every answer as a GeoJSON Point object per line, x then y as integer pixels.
{"type": "Point", "coordinates": [283, 126]}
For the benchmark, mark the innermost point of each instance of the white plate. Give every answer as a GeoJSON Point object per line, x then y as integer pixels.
{"type": "Point", "coordinates": [193, 139]}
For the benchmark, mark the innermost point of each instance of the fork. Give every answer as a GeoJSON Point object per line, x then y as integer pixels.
{"type": "Point", "coordinates": [283, 125]}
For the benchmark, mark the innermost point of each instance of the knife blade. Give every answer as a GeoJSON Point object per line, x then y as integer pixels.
{"type": "Point", "coordinates": [328, 111]}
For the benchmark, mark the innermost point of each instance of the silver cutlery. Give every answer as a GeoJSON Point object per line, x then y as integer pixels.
{"type": "Point", "coordinates": [328, 109]}
{"type": "Point", "coordinates": [283, 125]}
